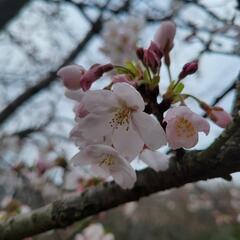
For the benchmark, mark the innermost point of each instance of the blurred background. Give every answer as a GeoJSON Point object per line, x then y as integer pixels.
{"type": "Point", "coordinates": [38, 37]}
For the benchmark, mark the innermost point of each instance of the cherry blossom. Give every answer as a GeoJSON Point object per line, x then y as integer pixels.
{"type": "Point", "coordinates": [106, 161]}
{"type": "Point", "coordinates": [156, 160]}
{"type": "Point", "coordinates": [183, 126]}
{"type": "Point", "coordinates": [119, 114]}
{"type": "Point", "coordinates": [120, 39]}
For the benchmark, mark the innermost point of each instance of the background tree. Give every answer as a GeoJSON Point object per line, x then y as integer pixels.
{"type": "Point", "coordinates": [38, 38]}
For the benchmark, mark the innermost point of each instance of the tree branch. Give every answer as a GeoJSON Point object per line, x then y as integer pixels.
{"type": "Point", "coordinates": [219, 160]}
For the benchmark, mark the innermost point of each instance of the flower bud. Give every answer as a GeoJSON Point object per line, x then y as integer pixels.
{"type": "Point", "coordinates": [164, 37]}
{"type": "Point", "coordinates": [188, 69]}
{"type": "Point", "coordinates": [71, 76]}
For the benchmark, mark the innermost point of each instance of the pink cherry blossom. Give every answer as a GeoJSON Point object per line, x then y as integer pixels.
{"type": "Point", "coordinates": [106, 161]}
{"type": "Point", "coordinates": [183, 126]}
{"type": "Point", "coordinates": [119, 114]}
{"type": "Point", "coordinates": [71, 76]}
{"type": "Point", "coordinates": [156, 160]}
{"type": "Point", "coordinates": [220, 117]}
{"type": "Point", "coordinates": [164, 37]}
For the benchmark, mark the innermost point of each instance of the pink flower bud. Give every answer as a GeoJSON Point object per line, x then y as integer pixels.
{"type": "Point", "coordinates": [71, 76]}
{"type": "Point", "coordinates": [94, 73]}
{"type": "Point", "coordinates": [220, 117]}
{"type": "Point", "coordinates": [164, 38]}
{"type": "Point", "coordinates": [188, 69]}
{"type": "Point", "coordinates": [150, 57]}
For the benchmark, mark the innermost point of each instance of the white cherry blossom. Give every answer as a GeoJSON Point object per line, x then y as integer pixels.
{"type": "Point", "coordinates": [119, 114]}
{"type": "Point", "coordinates": [106, 161]}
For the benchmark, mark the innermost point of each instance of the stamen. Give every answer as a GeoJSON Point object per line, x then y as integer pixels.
{"type": "Point", "coordinates": [108, 160]}
{"type": "Point", "coordinates": [121, 117]}
{"type": "Point", "coordinates": [184, 128]}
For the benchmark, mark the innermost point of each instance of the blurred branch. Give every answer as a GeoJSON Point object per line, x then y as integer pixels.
{"type": "Point", "coordinates": [48, 80]}
{"type": "Point", "coordinates": [9, 9]}
{"type": "Point", "coordinates": [219, 160]}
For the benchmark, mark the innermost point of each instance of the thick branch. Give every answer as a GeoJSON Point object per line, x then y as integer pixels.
{"type": "Point", "coordinates": [219, 160]}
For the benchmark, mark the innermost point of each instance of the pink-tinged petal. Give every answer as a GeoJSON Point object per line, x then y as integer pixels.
{"type": "Point", "coordinates": [165, 35]}
{"type": "Point", "coordinates": [123, 173]}
{"type": "Point", "coordinates": [71, 76]}
{"type": "Point", "coordinates": [76, 95]}
{"type": "Point", "coordinates": [127, 141]}
{"type": "Point", "coordinates": [200, 123]}
{"type": "Point", "coordinates": [155, 160]}
{"type": "Point", "coordinates": [150, 130]}
{"type": "Point", "coordinates": [100, 171]}
{"type": "Point", "coordinates": [80, 110]}
{"type": "Point", "coordinates": [176, 141]}
{"type": "Point", "coordinates": [221, 117]}
{"type": "Point", "coordinates": [178, 111]}
{"type": "Point", "coordinates": [129, 96]}
{"type": "Point", "coordinates": [83, 158]}
{"type": "Point", "coordinates": [95, 126]}
{"type": "Point", "coordinates": [100, 101]}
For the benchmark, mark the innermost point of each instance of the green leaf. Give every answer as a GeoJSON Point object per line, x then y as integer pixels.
{"type": "Point", "coordinates": [179, 88]}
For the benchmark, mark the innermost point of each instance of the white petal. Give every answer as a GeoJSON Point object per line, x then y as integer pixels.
{"type": "Point", "coordinates": [100, 101]}
{"type": "Point", "coordinates": [99, 171]}
{"type": "Point", "coordinates": [155, 160]}
{"type": "Point", "coordinates": [76, 95]}
{"type": "Point", "coordinates": [123, 173]}
{"type": "Point", "coordinates": [82, 158]}
{"type": "Point", "coordinates": [129, 95]}
{"type": "Point", "coordinates": [127, 141]}
{"type": "Point", "coordinates": [95, 126]}
{"type": "Point", "coordinates": [150, 130]}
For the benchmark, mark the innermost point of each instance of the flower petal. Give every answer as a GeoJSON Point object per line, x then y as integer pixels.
{"type": "Point", "coordinates": [127, 141]}
{"type": "Point", "coordinates": [150, 130]}
{"type": "Point", "coordinates": [129, 95]}
{"type": "Point", "coordinates": [99, 101]}
{"type": "Point", "coordinates": [200, 123]}
{"type": "Point", "coordinates": [155, 160]}
{"type": "Point", "coordinates": [76, 95]}
{"type": "Point", "coordinates": [95, 126]}
{"type": "Point", "coordinates": [123, 173]}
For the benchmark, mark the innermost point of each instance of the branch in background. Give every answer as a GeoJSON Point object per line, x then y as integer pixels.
{"type": "Point", "coordinates": [219, 160]}
{"type": "Point", "coordinates": [48, 80]}
{"type": "Point", "coordinates": [9, 10]}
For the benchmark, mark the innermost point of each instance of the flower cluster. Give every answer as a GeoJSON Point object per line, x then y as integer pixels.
{"type": "Point", "coordinates": [114, 125]}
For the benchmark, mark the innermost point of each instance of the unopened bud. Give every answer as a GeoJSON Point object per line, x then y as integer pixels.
{"type": "Point", "coordinates": [188, 69]}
